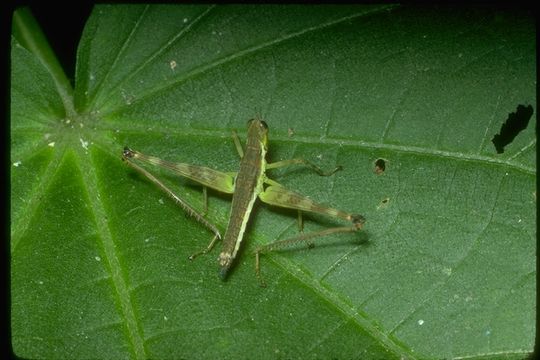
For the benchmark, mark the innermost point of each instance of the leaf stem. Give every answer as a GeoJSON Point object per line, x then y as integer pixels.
{"type": "Point", "coordinates": [29, 34]}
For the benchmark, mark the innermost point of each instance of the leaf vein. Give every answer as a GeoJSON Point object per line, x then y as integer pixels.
{"type": "Point", "coordinates": [167, 45]}
{"type": "Point", "coordinates": [242, 53]}
{"type": "Point", "coordinates": [530, 170]}
{"type": "Point", "coordinates": [118, 280]}
{"type": "Point", "coordinates": [347, 310]}
{"type": "Point", "coordinates": [20, 225]}
{"type": "Point", "coordinates": [118, 54]}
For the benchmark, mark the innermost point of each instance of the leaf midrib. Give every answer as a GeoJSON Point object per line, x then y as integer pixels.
{"type": "Point", "coordinates": [120, 284]}
{"type": "Point", "coordinates": [305, 139]}
{"type": "Point", "coordinates": [348, 311]}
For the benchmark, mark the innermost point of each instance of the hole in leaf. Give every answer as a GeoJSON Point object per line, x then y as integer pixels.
{"type": "Point", "coordinates": [384, 203]}
{"type": "Point", "coordinates": [516, 122]}
{"type": "Point", "coordinates": [380, 166]}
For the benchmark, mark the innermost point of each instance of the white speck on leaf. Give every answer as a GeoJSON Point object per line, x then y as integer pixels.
{"type": "Point", "coordinates": [165, 318]}
{"type": "Point", "coordinates": [51, 144]}
{"type": "Point", "coordinates": [161, 201]}
{"type": "Point", "coordinates": [172, 64]}
{"type": "Point", "coordinates": [40, 282]}
{"type": "Point", "coordinates": [84, 144]}
{"type": "Point", "coordinates": [17, 163]}
{"type": "Point", "coordinates": [185, 20]}
{"type": "Point", "coordinates": [420, 322]}
{"type": "Point", "coordinates": [97, 258]}
{"type": "Point", "coordinates": [127, 98]}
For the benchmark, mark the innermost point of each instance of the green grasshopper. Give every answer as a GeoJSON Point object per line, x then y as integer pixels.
{"type": "Point", "coordinates": [248, 184]}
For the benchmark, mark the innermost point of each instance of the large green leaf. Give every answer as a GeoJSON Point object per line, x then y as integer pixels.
{"type": "Point", "coordinates": [445, 267]}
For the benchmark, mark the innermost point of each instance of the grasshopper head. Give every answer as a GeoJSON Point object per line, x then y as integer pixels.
{"type": "Point", "coordinates": [258, 129]}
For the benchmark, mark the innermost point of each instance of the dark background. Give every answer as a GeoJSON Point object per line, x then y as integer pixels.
{"type": "Point", "coordinates": [62, 23]}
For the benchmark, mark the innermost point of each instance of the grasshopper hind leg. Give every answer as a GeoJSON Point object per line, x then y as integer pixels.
{"type": "Point", "coordinates": [357, 224]}
{"type": "Point", "coordinates": [207, 249]}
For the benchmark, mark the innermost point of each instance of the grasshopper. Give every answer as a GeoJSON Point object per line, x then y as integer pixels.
{"type": "Point", "coordinates": [248, 184]}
